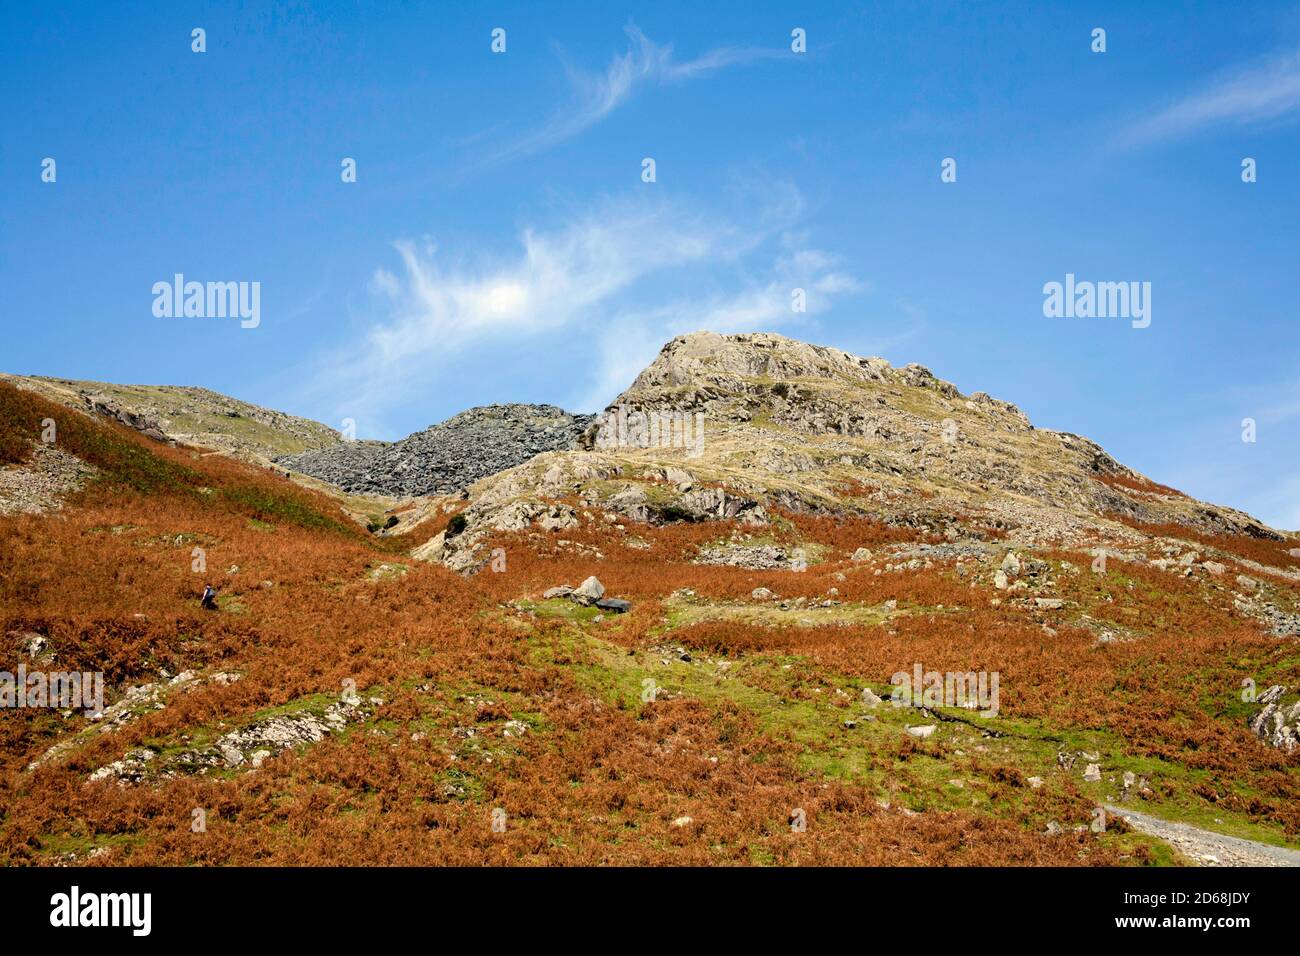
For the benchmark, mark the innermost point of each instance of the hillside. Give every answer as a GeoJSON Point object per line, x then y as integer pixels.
{"type": "Point", "coordinates": [193, 416]}
{"type": "Point", "coordinates": [448, 691]}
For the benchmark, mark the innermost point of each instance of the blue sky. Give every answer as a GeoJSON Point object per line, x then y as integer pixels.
{"type": "Point", "coordinates": [500, 245]}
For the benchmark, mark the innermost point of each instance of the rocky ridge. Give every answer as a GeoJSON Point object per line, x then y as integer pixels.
{"type": "Point", "coordinates": [191, 416]}
{"type": "Point", "coordinates": [807, 428]}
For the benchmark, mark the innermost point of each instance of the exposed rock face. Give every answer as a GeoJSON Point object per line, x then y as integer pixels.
{"type": "Point", "coordinates": [792, 409]}
{"type": "Point", "coordinates": [245, 748]}
{"type": "Point", "coordinates": [449, 456]}
{"type": "Point", "coordinates": [102, 405]}
{"type": "Point", "coordinates": [1278, 720]}
{"type": "Point", "coordinates": [755, 558]}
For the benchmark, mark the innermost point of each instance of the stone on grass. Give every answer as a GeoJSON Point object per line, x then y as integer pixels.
{"type": "Point", "coordinates": [589, 591]}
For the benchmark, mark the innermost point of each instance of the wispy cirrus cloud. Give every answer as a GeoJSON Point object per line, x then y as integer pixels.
{"type": "Point", "coordinates": [1261, 93]}
{"type": "Point", "coordinates": [620, 273]}
{"type": "Point", "coordinates": [644, 64]}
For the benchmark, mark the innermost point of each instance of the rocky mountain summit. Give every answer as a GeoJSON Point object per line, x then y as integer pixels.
{"type": "Point", "coordinates": [447, 457]}
{"type": "Point", "coordinates": [773, 422]}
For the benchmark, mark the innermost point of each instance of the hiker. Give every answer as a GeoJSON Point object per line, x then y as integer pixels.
{"type": "Point", "coordinates": [209, 601]}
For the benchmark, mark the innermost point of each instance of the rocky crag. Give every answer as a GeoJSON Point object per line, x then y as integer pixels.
{"type": "Point", "coordinates": [770, 421]}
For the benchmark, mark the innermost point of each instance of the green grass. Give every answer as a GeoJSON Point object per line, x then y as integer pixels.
{"type": "Point", "coordinates": [774, 688]}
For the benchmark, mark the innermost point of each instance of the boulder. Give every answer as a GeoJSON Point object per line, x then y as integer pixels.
{"type": "Point", "coordinates": [617, 605]}
{"type": "Point", "coordinates": [682, 479]}
{"type": "Point", "coordinates": [589, 591]}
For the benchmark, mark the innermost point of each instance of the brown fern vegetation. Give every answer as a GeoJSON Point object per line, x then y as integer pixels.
{"type": "Point", "coordinates": [1266, 551]}
{"type": "Point", "coordinates": [1139, 484]}
{"type": "Point", "coordinates": [596, 779]}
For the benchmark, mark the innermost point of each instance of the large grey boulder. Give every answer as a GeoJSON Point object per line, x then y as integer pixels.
{"type": "Point", "coordinates": [589, 591]}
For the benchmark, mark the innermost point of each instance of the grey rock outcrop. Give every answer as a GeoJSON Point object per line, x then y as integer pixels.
{"type": "Point", "coordinates": [447, 457]}
{"type": "Point", "coordinates": [1278, 721]}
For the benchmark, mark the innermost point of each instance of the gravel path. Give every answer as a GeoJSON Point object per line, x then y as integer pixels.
{"type": "Point", "coordinates": [1208, 848]}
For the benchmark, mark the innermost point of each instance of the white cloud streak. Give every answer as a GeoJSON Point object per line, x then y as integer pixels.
{"type": "Point", "coordinates": [621, 274]}
{"type": "Point", "coordinates": [597, 95]}
{"type": "Point", "coordinates": [1259, 94]}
